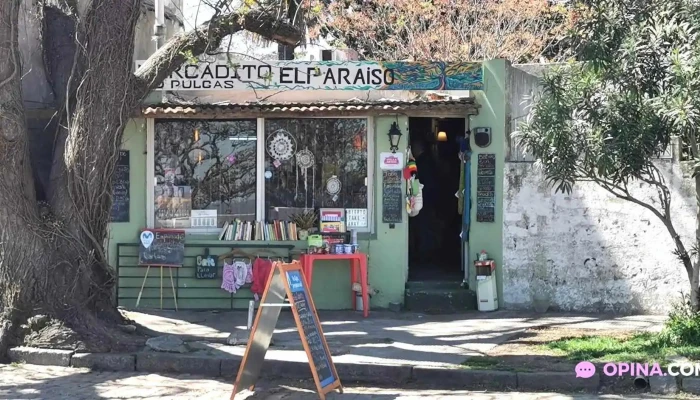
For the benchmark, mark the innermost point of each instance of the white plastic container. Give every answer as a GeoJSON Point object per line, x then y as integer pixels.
{"type": "Point", "coordinates": [486, 293]}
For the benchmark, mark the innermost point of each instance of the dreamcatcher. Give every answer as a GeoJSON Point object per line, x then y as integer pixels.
{"type": "Point", "coordinates": [280, 146]}
{"type": "Point", "coordinates": [333, 187]}
{"type": "Point", "coordinates": [305, 160]}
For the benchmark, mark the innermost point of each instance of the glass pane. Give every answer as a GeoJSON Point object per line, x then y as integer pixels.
{"type": "Point", "coordinates": [314, 163]}
{"type": "Point", "coordinates": [204, 165]}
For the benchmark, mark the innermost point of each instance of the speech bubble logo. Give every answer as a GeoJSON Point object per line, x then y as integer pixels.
{"type": "Point", "coordinates": [584, 369]}
{"type": "Point", "coordinates": [146, 238]}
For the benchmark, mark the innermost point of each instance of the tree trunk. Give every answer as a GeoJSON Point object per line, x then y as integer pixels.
{"type": "Point", "coordinates": [54, 262]}
{"type": "Point", "coordinates": [20, 244]}
{"type": "Point", "coordinates": [695, 268]}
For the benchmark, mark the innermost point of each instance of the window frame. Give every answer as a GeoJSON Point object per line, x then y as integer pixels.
{"type": "Point", "coordinates": [260, 170]}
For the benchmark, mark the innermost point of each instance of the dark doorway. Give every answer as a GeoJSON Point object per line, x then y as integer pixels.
{"type": "Point", "coordinates": [434, 242]}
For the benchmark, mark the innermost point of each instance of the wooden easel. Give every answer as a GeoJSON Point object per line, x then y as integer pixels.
{"type": "Point", "coordinates": [161, 248]}
{"type": "Point", "coordinates": [287, 280]}
{"type": "Point", "coordinates": [172, 285]}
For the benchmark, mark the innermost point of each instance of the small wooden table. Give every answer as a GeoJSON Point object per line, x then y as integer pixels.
{"type": "Point", "coordinates": [358, 265]}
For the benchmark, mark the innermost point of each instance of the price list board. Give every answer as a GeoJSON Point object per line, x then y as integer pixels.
{"type": "Point", "coordinates": [486, 188]}
{"type": "Point", "coordinates": [320, 356]}
{"type": "Point", "coordinates": [393, 199]}
{"type": "Point", "coordinates": [121, 199]}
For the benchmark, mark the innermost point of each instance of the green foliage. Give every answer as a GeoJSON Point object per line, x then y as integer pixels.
{"type": "Point", "coordinates": [683, 325]}
{"type": "Point", "coordinates": [679, 337]}
{"type": "Point", "coordinates": [636, 85]}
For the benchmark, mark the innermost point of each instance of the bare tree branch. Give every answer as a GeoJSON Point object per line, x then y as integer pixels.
{"type": "Point", "coordinates": [171, 56]}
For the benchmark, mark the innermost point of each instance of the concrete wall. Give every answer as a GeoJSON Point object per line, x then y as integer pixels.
{"type": "Point", "coordinates": [588, 251]}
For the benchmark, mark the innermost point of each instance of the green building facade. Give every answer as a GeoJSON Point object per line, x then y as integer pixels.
{"type": "Point", "coordinates": [387, 245]}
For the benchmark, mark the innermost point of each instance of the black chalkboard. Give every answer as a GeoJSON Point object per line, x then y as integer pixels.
{"type": "Point", "coordinates": [120, 189]}
{"type": "Point", "coordinates": [167, 248]}
{"type": "Point", "coordinates": [486, 188]}
{"type": "Point", "coordinates": [313, 339]}
{"type": "Point", "coordinates": [487, 161]}
{"type": "Point", "coordinates": [393, 200]}
{"type": "Point", "coordinates": [208, 270]}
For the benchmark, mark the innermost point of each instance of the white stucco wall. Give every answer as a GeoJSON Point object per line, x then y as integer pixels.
{"type": "Point", "coordinates": [595, 252]}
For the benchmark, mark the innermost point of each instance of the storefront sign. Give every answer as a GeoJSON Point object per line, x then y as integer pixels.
{"type": "Point", "coordinates": [324, 75]}
{"type": "Point", "coordinates": [486, 188]}
{"type": "Point", "coordinates": [392, 197]}
{"type": "Point", "coordinates": [391, 161]}
{"type": "Point", "coordinates": [121, 200]}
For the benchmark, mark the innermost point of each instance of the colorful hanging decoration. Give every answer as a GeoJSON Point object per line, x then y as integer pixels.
{"type": "Point", "coordinates": [280, 145]}
{"type": "Point", "coordinates": [305, 160]}
{"type": "Point", "coordinates": [333, 187]}
{"type": "Point", "coordinates": [414, 189]}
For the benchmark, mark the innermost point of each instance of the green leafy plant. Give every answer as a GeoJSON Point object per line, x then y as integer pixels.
{"type": "Point", "coordinates": [683, 325]}
{"type": "Point", "coordinates": [305, 220]}
{"type": "Point", "coordinates": [607, 116]}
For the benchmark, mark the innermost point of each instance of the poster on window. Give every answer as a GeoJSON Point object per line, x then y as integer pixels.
{"type": "Point", "coordinates": [173, 205]}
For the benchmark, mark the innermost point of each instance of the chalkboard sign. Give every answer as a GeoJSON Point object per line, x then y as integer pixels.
{"type": "Point", "coordinates": [309, 326]}
{"type": "Point", "coordinates": [486, 188]}
{"type": "Point", "coordinates": [288, 281]}
{"type": "Point", "coordinates": [393, 199]}
{"type": "Point", "coordinates": [120, 189]}
{"type": "Point", "coordinates": [162, 247]}
{"type": "Point", "coordinates": [206, 268]}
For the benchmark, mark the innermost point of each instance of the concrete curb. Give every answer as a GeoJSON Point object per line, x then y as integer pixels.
{"type": "Point", "coordinates": [382, 374]}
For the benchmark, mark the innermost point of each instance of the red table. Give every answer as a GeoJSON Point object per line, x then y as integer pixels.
{"type": "Point", "coordinates": [358, 265]}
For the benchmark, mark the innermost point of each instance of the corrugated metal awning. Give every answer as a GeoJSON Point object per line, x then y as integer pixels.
{"type": "Point", "coordinates": [461, 106]}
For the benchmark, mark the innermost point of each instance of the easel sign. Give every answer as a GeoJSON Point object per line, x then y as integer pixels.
{"type": "Point", "coordinates": [288, 281]}
{"type": "Point", "coordinates": [161, 248]}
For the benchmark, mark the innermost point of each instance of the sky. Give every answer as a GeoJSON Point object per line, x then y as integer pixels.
{"type": "Point", "coordinates": [195, 12]}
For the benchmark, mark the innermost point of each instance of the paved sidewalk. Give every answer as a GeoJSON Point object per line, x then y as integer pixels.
{"type": "Point", "coordinates": [384, 337]}
{"type": "Point", "coordinates": [56, 383]}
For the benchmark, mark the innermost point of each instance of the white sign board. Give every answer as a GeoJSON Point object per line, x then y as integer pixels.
{"type": "Point", "coordinates": [203, 218]}
{"type": "Point", "coordinates": [356, 217]}
{"type": "Point", "coordinates": [391, 161]}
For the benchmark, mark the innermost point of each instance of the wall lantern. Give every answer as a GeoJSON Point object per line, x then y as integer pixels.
{"type": "Point", "coordinates": [442, 136]}
{"type": "Point", "coordinates": [394, 137]}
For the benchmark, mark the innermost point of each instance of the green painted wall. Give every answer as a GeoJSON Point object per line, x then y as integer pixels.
{"type": "Point", "coordinates": [120, 232]}
{"type": "Point", "coordinates": [492, 114]}
{"type": "Point", "coordinates": [388, 265]}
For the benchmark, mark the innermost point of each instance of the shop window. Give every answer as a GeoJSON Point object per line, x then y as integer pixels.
{"type": "Point", "coordinates": [205, 173]}
{"type": "Point", "coordinates": [315, 163]}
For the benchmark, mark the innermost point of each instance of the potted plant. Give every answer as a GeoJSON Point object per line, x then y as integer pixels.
{"type": "Point", "coordinates": [305, 221]}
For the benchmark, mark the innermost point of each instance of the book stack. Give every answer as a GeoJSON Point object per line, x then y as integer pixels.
{"type": "Point", "coordinates": [238, 230]}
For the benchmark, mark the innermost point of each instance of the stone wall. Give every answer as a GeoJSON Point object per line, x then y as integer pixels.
{"type": "Point", "coordinates": [592, 251]}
